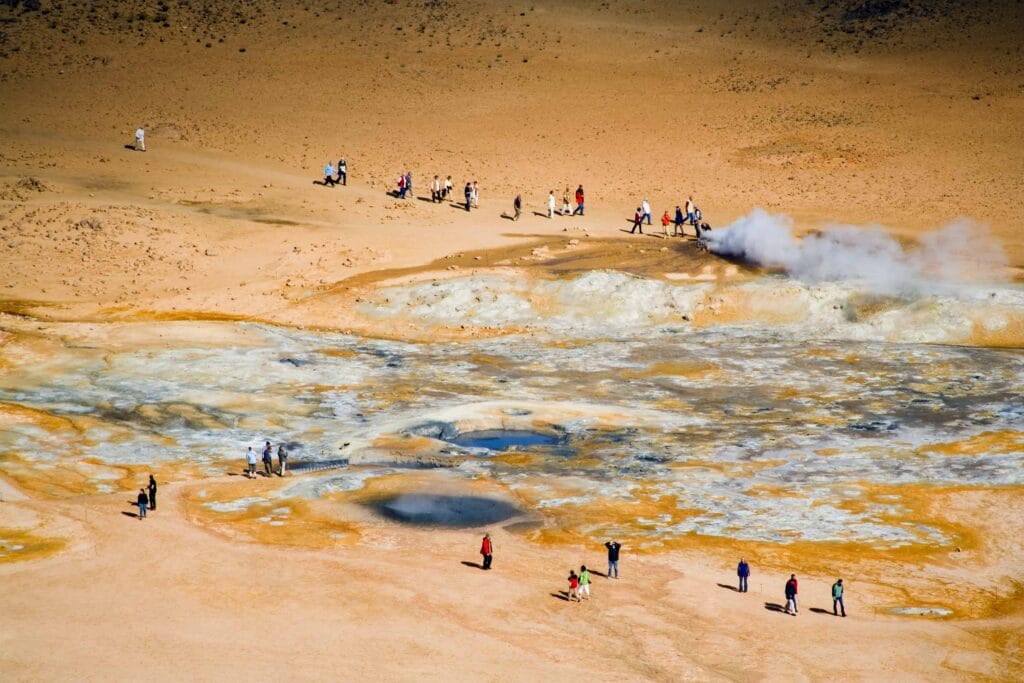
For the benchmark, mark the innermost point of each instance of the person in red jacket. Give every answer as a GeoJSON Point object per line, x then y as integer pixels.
{"type": "Point", "coordinates": [579, 201]}
{"type": "Point", "coordinates": [791, 591]}
{"type": "Point", "coordinates": [487, 550]}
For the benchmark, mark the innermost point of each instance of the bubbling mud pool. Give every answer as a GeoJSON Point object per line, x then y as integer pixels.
{"type": "Point", "coordinates": [649, 431]}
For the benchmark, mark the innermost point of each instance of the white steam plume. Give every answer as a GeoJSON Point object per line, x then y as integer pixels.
{"type": "Point", "coordinates": [959, 253]}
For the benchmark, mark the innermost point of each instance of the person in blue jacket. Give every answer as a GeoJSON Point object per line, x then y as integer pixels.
{"type": "Point", "coordinates": [743, 572]}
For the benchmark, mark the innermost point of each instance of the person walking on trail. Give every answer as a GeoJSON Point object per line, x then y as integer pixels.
{"type": "Point", "coordinates": [743, 572]}
{"type": "Point", "coordinates": [282, 460]}
{"type": "Point", "coordinates": [691, 211]}
{"type": "Point", "coordinates": [551, 204]}
{"type": "Point", "coordinates": [140, 139]}
{"type": "Point", "coordinates": [469, 194]}
{"type": "Point", "coordinates": [408, 183]}
{"type": "Point", "coordinates": [579, 201]}
{"type": "Point", "coordinates": [448, 187]}
{"type": "Point", "coordinates": [152, 493]}
{"type": "Point", "coordinates": [613, 558]}
{"type": "Point", "coordinates": [574, 586]}
{"type": "Point", "coordinates": [566, 208]}
{"type": "Point", "coordinates": [517, 206]}
{"type": "Point", "coordinates": [665, 220]}
{"type": "Point", "coordinates": [677, 224]}
{"type": "Point", "coordinates": [837, 597]}
{"type": "Point", "coordinates": [487, 550]}
{"type": "Point", "coordinates": [476, 195]}
{"type": "Point", "coordinates": [329, 175]}
{"type": "Point", "coordinates": [646, 208]}
{"type": "Point", "coordinates": [584, 582]}
{"type": "Point", "coordinates": [342, 171]}
{"type": "Point", "coordinates": [142, 501]}
{"type": "Point", "coordinates": [435, 190]}
{"type": "Point", "coordinates": [791, 591]}
{"type": "Point", "coordinates": [401, 186]}
{"type": "Point", "coordinates": [250, 461]}
{"type": "Point", "coordinates": [638, 221]}
{"type": "Point", "coordinates": [268, 460]}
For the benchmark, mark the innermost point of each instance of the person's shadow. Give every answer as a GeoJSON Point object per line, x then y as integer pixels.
{"type": "Point", "coordinates": [134, 515]}
{"type": "Point", "coordinates": [819, 610]}
{"type": "Point", "coordinates": [728, 587]}
{"type": "Point", "coordinates": [774, 607]}
{"type": "Point", "coordinates": [540, 213]}
{"type": "Point", "coordinates": [132, 148]}
{"type": "Point", "coordinates": [475, 565]}
{"type": "Point", "coordinates": [507, 217]}
{"type": "Point", "coordinates": [597, 573]}
{"type": "Point", "coordinates": [561, 595]}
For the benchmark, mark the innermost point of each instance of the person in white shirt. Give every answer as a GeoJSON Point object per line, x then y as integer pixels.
{"type": "Point", "coordinates": [250, 461]}
{"type": "Point", "coordinates": [551, 204]}
{"type": "Point", "coordinates": [476, 195]}
{"type": "Point", "coordinates": [566, 208]}
{"type": "Point", "coordinates": [448, 187]}
{"type": "Point", "coordinates": [645, 206]}
{"type": "Point", "coordinates": [691, 211]}
{"type": "Point", "coordinates": [140, 139]}
{"type": "Point", "coordinates": [435, 189]}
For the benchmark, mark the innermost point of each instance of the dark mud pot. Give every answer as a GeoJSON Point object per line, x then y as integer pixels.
{"type": "Point", "coordinates": [503, 439]}
{"type": "Point", "coordinates": [446, 511]}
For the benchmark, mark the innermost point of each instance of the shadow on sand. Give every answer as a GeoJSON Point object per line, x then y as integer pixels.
{"type": "Point", "coordinates": [475, 565]}
{"type": "Point", "coordinates": [726, 586]}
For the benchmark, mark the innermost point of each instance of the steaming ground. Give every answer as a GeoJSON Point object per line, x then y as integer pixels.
{"type": "Point", "coordinates": [958, 254]}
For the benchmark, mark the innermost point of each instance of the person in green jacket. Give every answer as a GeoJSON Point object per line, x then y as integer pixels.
{"type": "Point", "coordinates": [584, 582]}
{"type": "Point", "coordinates": [837, 597]}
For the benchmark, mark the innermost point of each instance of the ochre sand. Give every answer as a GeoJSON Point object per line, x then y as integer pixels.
{"type": "Point", "coordinates": [909, 121]}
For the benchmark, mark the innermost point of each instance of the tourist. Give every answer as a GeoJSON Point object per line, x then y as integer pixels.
{"type": "Point", "coordinates": [268, 460]}
{"type": "Point", "coordinates": [837, 597]}
{"type": "Point", "coordinates": [584, 582]}
{"type": "Point", "coordinates": [476, 195]}
{"type": "Point", "coordinates": [566, 208]}
{"type": "Point", "coordinates": [743, 572]}
{"type": "Point", "coordinates": [551, 204]}
{"type": "Point", "coordinates": [665, 220]}
{"type": "Point", "coordinates": [142, 501]}
{"type": "Point", "coordinates": [517, 206]}
{"type": "Point", "coordinates": [152, 493]}
{"type": "Point", "coordinates": [448, 187]}
{"type": "Point", "coordinates": [282, 460]}
{"type": "Point", "coordinates": [613, 558]}
{"type": "Point", "coordinates": [408, 183]}
{"type": "Point", "coordinates": [487, 548]}
{"type": "Point", "coordinates": [250, 459]}
{"type": "Point", "coordinates": [691, 211]}
{"type": "Point", "coordinates": [401, 187]}
{"type": "Point", "coordinates": [342, 171]}
{"type": "Point", "coordinates": [469, 194]}
{"type": "Point", "coordinates": [638, 218]}
{"type": "Point", "coordinates": [329, 175]}
{"type": "Point", "coordinates": [579, 201]}
{"type": "Point", "coordinates": [677, 229]}
{"type": "Point", "coordinates": [646, 207]}
{"type": "Point", "coordinates": [140, 139]}
{"type": "Point", "coordinates": [435, 189]}
{"type": "Point", "coordinates": [574, 586]}
{"type": "Point", "coordinates": [791, 591]}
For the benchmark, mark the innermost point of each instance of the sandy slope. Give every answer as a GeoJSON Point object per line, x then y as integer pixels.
{"type": "Point", "coordinates": [166, 600]}
{"type": "Point", "coordinates": [911, 118]}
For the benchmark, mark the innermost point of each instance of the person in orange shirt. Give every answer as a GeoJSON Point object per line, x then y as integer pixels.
{"type": "Point", "coordinates": [665, 220]}
{"type": "Point", "coordinates": [487, 550]}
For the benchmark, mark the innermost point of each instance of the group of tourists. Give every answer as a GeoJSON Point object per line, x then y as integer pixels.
{"type": "Point", "coordinates": [146, 500]}
{"type": "Point", "coordinates": [268, 461]}
{"type": "Point", "coordinates": [342, 170]}
{"type": "Point", "coordinates": [692, 217]}
{"type": "Point", "coordinates": [792, 589]}
{"type": "Point", "coordinates": [567, 209]}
